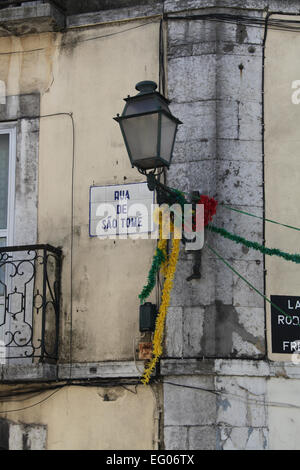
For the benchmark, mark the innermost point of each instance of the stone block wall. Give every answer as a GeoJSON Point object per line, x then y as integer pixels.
{"type": "Point", "coordinates": [215, 85]}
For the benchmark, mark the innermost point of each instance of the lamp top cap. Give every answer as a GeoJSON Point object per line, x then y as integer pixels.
{"type": "Point", "coordinates": [146, 86]}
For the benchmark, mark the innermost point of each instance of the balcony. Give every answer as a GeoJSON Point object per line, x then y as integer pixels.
{"type": "Point", "coordinates": [29, 304]}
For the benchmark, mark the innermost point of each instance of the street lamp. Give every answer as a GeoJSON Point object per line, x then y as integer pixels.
{"type": "Point", "coordinates": [148, 128]}
{"type": "Point", "coordinates": [149, 131]}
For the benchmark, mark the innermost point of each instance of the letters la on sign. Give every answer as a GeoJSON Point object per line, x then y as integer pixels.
{"type": "Point", "coordinates": [121, 210]}
{"type": "Point", "coordinates": [285, 328]}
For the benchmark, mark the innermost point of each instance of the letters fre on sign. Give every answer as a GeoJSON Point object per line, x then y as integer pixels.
{"type": "Point", "coordinates": [285, 329]}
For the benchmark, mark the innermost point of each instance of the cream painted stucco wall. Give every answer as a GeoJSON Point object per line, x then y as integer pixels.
{"type": "Point", "coordinates": [88, 77]}
{"type": "Point", "coordinates": [84, 73]}
{"type": "Point", "coordinates": [90, 81]}
{"type": "Point", "coordinates": [92, 418]}
{"type": "Point", "coordinates": [282, 164]}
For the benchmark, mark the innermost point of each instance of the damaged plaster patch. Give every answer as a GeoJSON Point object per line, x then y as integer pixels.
{"type": "Point", "coordinates": [241, 33]}
{"type": "Point", "coordinates": [111, 394]}
{"type": "Point", "coordinates": [247, 402]}
{"type": "Point", "coordinates": [222, 435]}
{"type": "Point", "coordinates": [224, 403]}
{"type": "Point", "coordinates": [242, 438]}
{"type": "Point", "coordinates": [238, 344]}
{"type": "Point", "coordinates": [27, 437]}
{"type": "Point", "coordinates": [69, 43]}
{"type": "Point", "coordinates": [225, 333]}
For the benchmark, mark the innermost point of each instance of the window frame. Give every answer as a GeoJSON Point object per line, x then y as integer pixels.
{"type": "Point", "coordinates": [8, 233]}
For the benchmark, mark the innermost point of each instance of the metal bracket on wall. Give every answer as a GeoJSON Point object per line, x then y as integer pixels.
{"type": "Point", "coordinates": [197, 266]}
{"type": "Point", "coordinates": [194, 196]}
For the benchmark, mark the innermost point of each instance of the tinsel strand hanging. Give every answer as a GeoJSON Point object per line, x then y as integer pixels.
{"type": "Point", "coordinates": [295, 258]}
{"type": "Point", "coordinates": [161, 317]}
{"type": "Point", "coordinates": [159, 261]}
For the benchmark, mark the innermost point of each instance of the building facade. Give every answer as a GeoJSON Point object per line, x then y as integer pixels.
{"type": "Point", "coordinates": [69, 306]}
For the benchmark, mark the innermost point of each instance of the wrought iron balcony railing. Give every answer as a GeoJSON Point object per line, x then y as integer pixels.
{"type": "Point", "coordinates": [29, 303]}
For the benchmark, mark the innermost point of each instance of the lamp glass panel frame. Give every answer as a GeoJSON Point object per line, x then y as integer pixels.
{"type": "Point", "coordinates": [156, 160]}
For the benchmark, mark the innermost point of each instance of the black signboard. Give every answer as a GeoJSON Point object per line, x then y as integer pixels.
{"type": "Point", "coordinates": [285, 328]}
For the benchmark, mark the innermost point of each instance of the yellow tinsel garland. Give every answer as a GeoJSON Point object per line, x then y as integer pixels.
{"type": "Point", "coordinates": [162, 244]}
{"type": "Point", "coordinates": [169, 269]}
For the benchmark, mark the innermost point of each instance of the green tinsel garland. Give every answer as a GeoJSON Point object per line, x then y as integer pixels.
{"type": "Point", "coordinates": [254, 245]}
{"type": "Point", "coordinates": [180, 197]}
{"type": "Point", "coordinates": [157, 261]}
{"type": "Point", "coordinates": [295, 258]}
{"type": "Point", "coordinates": [159, 256]}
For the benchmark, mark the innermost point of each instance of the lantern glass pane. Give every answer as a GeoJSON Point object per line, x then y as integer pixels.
{"type": "Point", "coordinates": [141, 134]}
{"type": "Point", "coordinates": [168, 132]}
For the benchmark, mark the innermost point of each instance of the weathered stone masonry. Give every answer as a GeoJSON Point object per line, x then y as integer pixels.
{"type": "Point", "coordinates": [215, 84]}
{"type": "Point", "coordinates": [215, 88]}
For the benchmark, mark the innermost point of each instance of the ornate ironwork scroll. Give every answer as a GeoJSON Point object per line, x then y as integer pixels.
{"type": "Point", "coordinates": [29, 303]}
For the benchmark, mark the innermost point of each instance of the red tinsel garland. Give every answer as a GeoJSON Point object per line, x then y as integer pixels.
{"type": "Point", "coordinates": [210, 208]}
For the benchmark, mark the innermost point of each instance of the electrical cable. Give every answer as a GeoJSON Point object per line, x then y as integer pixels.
{"type": "Point", "coordinates": [118, 21]}
{"type": "Point", "coordinates": [250, 21]}
{"type": "Point", "coordinates": [11, 398]}
{"type": "Point", "coordinates": [95, 383]}
{"type": "Point", "coordinates": [266, 299]}
{"type": "Point", "coordinates": [160, 57]}
{"type": "Point", "coordinates": [246, 281]}
{"type": "Point", "coordinates": [30, 406]}
{"type": "Point", "coordinates": [5, 398]}
{"type": "Point", "coordinates": [288, 25]}
{"type": "Point", "coordinates": [162, 382]}
{"type": "Point", "coordinates": [156, 417]}
{"type": "Point", "coordinates": [278, 24]}
{"type": "Point", "coordinates": [162, 71]}
{"type": "Point", "coordinates": [33, 391]}
{"type": "Point", "coordinates": [128, 389]}
{"type": "Point", "coordinates": [116, 33]}
{"type": "Point", "coordinates": [71, 43]}
{"type": "Point", "coordinates": [220, 393]}
{"type": "Point", "coordinates": [163, 91]}
{"type": "Point", "coordinates": [258, 217]}
{"type": "Point", "coordinates": [263, 164]}
{"type": "Point", "coordinates": [59, 387]}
